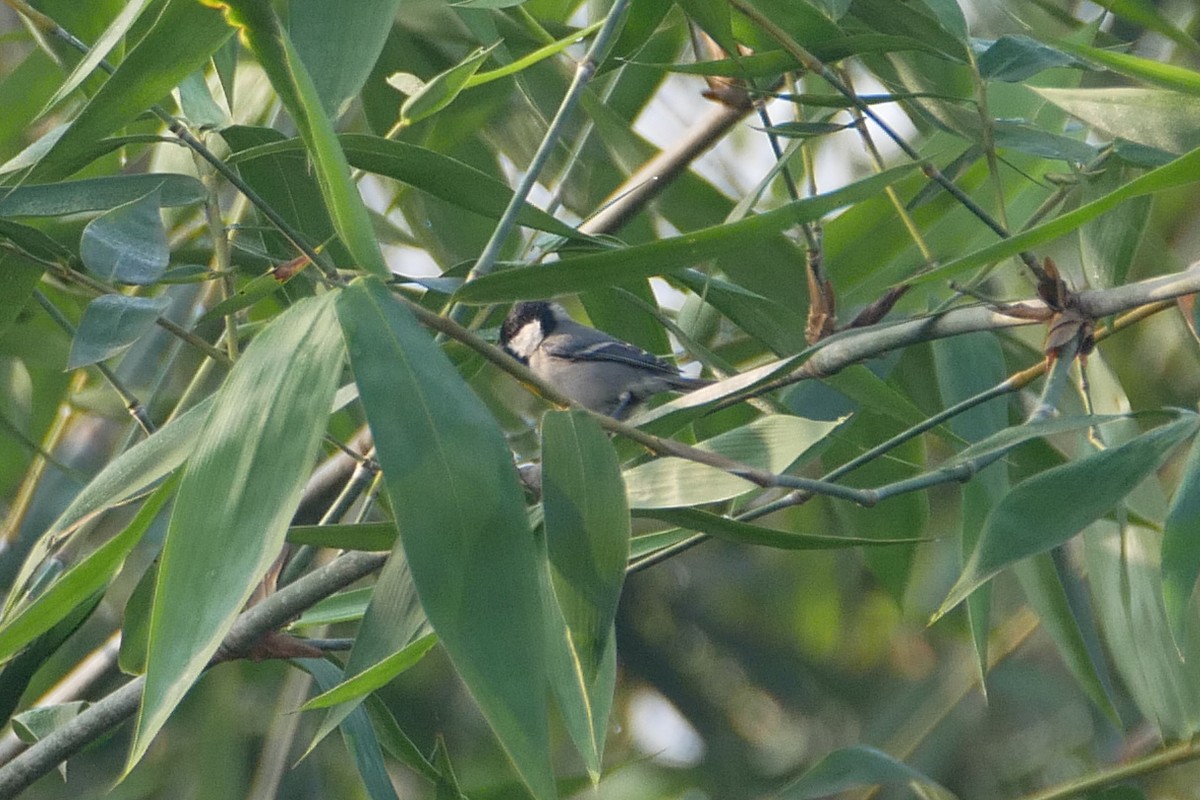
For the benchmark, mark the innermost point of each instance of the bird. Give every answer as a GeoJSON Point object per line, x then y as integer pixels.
{"type": "Point", "coordinates": [595, 370]}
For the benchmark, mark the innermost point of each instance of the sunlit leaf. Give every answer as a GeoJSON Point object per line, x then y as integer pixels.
{"type": "Point", "coordinates": [1032, 518]}
{"type": "Point", "coordinates": [255, 452]}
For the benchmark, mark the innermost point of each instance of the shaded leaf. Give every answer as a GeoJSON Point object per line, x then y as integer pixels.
{"type": "Point", "coordinates": [127, 244]}
{"type": "Point", "coordinates": [732, 530]}
{"type": "Point", "coordinates": [111, 323]}
{"type": "Point", "coordinates": [1015, 57]}
{"type": "Point", "coordinates": [1182, 171]}
{"type": "Point", "coordinates": [79, 581]}
{"type": "Point", "coordinates": [339, 57]}
{"type": "Point", "coordinates": [587, 538]}
{"type": "Point", "coordinates": [1181, 546]}
{"type": "Point", "coordinates": [358, 734]}
{"type": "Point", "coordinates": [461, 518]}
{"type": "Point", "coordinates": [293, 83]}
{"type": "Point", "coordinates": [98, 194]}
{"type": "Point", "coordinates": [857, 767]}
{"type": "Point", "coordinates": [441, 90]}
{"type": "Point", "coordinates": [359, 536]}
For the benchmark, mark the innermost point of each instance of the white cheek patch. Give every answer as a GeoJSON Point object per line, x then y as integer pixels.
{"type": "Point", "coordinates": [527, 340]}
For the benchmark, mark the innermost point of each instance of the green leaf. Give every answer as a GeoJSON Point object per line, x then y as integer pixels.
{"type": "Point", "coordinates": [80, 581]}
{"type": "Point", "coordinates": [295, 87]}
{"type": "Point", "coordinates": [1043, 588]}
{"type": "Point", "coordinates": [392, 621]}
{"type": "Point", "coordinates": [587, 539]}
{"type": "Point", "coordinates": [1158, 671]}
{"type": "Point", "coordinates": [967, 366]}
{"type": "Point", "coordinates": [357, 733]}
{"type": "Point", "coordinates": [99, 194]}
{"type": "Point", "coordinates": [434, 173]}
{"type": "Point", "coordinates": [854, 768]}
{"type": "Point", "coordinates": [737, 532]}
{"type": "Point", "coordinates": [1181, 546]}
{"type": "Point", "coordinates": [461, 518]}
{"type": "Point", "coordinates": [180, 41]}
{"type": "Point", "coordinates": [372, 678]}
{"type": "Point", "coordinates": [122, 478]}
{"type": "Point", "coordinates": [340, 57]}
{"type": "Point", "coordinates": [1168, 76]}
{"type": "Point", "coordinates": [112, 323]}
{"type": "Point", "coordinates": [1180, 172]}
{"type": "Point", "coordinates": [1146, 15]}
{"type": "Point", "coordinates": [671, 482]}
{"type": "Point", "coordinates": [1109, 243]}
{"type": "Point", "coordinates": [37, 723]}
{"type": "Point", "coordinates": [395, 741]}
{"type": "Point", "coordinates": [441, 90]}
{"type": "Point", "coordinates": [601, 270]}
{"type": "Point", "coordinates": [1014, 58]}
{"type": "Point", "coordinates": [256, 450]}
{"type": "Point", "coordinates": [135, 624]}
{"type": "Point", "coordinates": [1155, 117]}
{"type": "Point", "coordinates": [1033, 518]}
{"type": "Point", "coordinates": [341, 607]}
{"type": "Point", "coordinates": [19, 276]}
{"type": "Point", "coordinates": [769, 443]}
{"type": "Point", "coordinates": [116, 29]}
{"type": "Point", "coordinates": [360, 536]}
{"type": "Point", "coordinates": [127, 244]}
{"type": "Point", "coordinates": [774, 324]}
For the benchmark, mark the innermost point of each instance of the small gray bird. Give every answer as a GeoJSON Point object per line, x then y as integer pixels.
{"type": "Point", "coordinates": [589, 366]}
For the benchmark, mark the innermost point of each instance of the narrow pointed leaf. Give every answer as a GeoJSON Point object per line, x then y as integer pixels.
{"type": "Point", "coordinates": [98, 51]}
{"type": "Point", "coordinates": [1182, 171]}
{"type": "Point", "coordinates": [587, 539]}
{"type": "Point", "coordinates": [372, 678]}
{"type": "Point", "coordinates": [1033, 517]}
{"type": "Point", "coordinates": [1181, 546]}
{"type": "Point", "coordinates": [732, 530]}
{"type": "Point", "coordinates": [771, 443]}
{"type": "Point", "coordinates": [441, 90]}
{"type": "Point", "coordinates": [239, 491]}
{"type": "Point", "coordinates": [80, 581]}
{"type": "Point", "coordinates": [461, 518]}
{"type": "Point", "coordinates": [340, 57]}
{"type": "Point", "coordinates": [358, 734]}
{"type": "Point", "coordinates": [123, 477]}
{"type": "Point", "coordinates": [180, 41]}
{"type": "Point", "coordinates": [98, 194]}
{"type": "Point", "coordinates": [391, 623]}
{"type": "Point", "coordinates": [601, 270]}
{"type": "Point", "coordinates": [288, 75]}
{"type": "Point", "coordinates": [854, 768]}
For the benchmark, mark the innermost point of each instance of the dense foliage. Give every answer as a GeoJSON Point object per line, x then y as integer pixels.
{"type": "Point", "coordinates": [931, 530]}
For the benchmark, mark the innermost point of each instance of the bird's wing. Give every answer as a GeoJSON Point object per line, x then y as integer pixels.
{"type": "Point", "coordinates": [608, 349]}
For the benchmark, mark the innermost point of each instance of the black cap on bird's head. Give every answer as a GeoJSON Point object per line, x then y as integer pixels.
{"type": "Point", "coordinates": [538, 313]}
